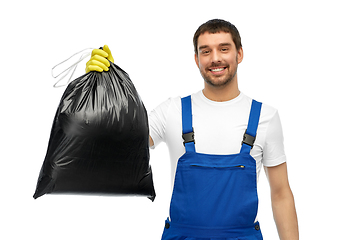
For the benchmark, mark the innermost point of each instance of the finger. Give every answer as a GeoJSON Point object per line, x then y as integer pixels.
{"type": "Point", "coordinates": [92, 68]}
{"type": "Point", "coordinates": [101, 59]}
{"type": "Point", "coordinates": [99, 52]}
{"type": "Point", "coordinates": [110, 58]}
{"type": "Point", "coordinates": [107, 50]}
{"type": "Point", "coordinates": [94, 64]}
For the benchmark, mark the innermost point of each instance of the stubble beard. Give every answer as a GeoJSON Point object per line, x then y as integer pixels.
{"type": "Point", "coordinates": [211, 80]}
{"type": "Point", "coordinates": [218, 83]}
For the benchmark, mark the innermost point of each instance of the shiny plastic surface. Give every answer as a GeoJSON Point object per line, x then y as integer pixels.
{"type": "Point", "coordinates": [99, 142]}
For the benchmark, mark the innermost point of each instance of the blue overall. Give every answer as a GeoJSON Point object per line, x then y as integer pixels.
{"type": "Point", "coordinates": [214, 196]}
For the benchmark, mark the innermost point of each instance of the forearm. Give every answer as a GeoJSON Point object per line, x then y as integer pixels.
{"type": "Point", "coordinates": [283, 206]}
{"type": "Point", "coordinates": [151, 141]}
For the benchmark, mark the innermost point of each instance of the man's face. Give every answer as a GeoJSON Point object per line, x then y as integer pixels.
{"type": "Point", "coordinates": [217, 58]}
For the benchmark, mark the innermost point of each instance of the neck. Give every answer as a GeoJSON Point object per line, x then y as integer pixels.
{"type": "Point", "coordinates": [222, 93]}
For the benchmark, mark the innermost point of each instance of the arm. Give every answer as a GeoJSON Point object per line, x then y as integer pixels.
{"type": "Point", "coordinates": [151, 141]}
{"type": "Point", "coordinates": [283, 204]}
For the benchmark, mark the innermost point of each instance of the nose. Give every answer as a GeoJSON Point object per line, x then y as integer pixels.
{"type": "Point", "coordinates": [216, 56]}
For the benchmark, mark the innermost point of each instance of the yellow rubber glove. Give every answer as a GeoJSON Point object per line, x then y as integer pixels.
{"type": "Point", "coordinates": [99, 60]}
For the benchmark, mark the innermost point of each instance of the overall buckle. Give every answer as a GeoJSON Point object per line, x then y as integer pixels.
{"type": "Point", "coordinates": [188, 137]}
{"type": "Point", "coordinates": [248, 139]}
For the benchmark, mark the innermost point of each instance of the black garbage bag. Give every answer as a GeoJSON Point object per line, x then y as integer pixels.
{"type": "Point", "coordinates": [99, 142]}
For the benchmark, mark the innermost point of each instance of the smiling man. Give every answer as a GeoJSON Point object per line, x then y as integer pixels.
{"type": "Point", "coordinates": [218, 140]}
{"type": "Point", "coordinates": [217, 58]}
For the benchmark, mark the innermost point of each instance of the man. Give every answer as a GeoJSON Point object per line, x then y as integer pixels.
{"type": "Point", "coordinates": [218, 138]}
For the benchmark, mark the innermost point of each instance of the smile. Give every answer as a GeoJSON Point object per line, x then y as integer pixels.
{"type": "Point", "coordinates": [218, 70]}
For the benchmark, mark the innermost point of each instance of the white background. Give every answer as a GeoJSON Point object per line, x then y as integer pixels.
{"type": "Point", "coordinates": [301, 57]}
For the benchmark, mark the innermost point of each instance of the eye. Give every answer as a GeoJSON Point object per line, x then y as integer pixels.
{"type": "Point", "coordinates": [205, 52]}
{"type": "Point", "coordinates": [224, 49]}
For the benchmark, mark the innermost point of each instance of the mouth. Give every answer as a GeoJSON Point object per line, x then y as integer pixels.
{"type": "Point", "coordinates": [217, 70]}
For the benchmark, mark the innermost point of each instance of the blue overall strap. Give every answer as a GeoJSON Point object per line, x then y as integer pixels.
{"type": "Point", "coordinates": [250, 133]}
{"type": "Point", "coordinates": [187, 128]}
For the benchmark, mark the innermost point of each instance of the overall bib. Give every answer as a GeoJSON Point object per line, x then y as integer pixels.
{"type": "Point", "coordinates": [214, 196]}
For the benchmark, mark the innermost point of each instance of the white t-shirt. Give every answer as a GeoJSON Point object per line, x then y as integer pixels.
{"type": "Point", "coordinates": [218, 129]}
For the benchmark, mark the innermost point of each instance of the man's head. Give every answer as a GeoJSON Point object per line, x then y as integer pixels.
{"type": "Point", "coordinates": [218, 52]}
{"type": "Point", "coordinates": [215, 26]}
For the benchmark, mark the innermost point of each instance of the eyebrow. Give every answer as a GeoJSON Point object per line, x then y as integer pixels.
{"type": "Point", "coordinates": [221, 45]}
{"type": "Point", "coordinates": [224, 44]}
{"type": "Point", "coordinates": [203, 46]}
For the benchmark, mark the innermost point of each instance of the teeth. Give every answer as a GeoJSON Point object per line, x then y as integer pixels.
{"type": "Point", "coordinates": [217, 69]}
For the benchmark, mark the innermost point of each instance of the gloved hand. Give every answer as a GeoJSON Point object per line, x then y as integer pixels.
{"type": "Point", "coordinates": [99, 60]}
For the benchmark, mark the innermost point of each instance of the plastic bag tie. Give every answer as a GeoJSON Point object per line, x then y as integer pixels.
{"type": "Point", "coordinates": [84, 54]}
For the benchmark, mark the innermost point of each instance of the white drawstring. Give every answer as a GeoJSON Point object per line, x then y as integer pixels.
{"type": "Point", "coordinates": [85, 53]}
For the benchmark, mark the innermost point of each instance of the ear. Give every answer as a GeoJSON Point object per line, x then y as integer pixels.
{"type": "Point", "coordinates": [197, 60]}
{"type": "Point", "coordinates": [240, 55]}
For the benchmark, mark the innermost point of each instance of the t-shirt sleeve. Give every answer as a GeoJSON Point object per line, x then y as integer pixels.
{"type": "Point", "coordinates": [273, 151]}
{"type": "Point", "coordinates": [157, 122]}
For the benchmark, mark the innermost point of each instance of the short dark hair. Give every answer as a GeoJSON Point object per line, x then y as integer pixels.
{"type": "Point", "coordinates": [215, 26]}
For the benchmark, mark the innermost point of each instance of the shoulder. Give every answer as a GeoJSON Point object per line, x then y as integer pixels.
{"type": "Point", "coordinates": [267, 113]}
{"type": "Point", "coordinates": [170, 103]}
{"type": "Point", "coordinates": [269, 122]}
{"type": "Point", "coordinates": [161, 117]}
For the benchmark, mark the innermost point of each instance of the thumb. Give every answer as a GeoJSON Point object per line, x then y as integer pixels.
{"type": "Point", "coordinates": [107, 50]}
